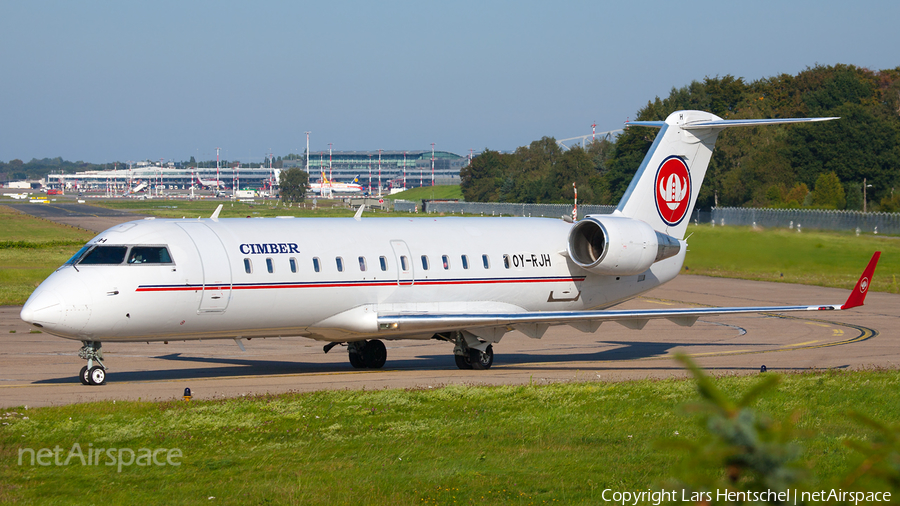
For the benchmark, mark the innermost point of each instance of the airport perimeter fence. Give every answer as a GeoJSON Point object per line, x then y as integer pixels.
{"type": "Point", "coordinates": [500, 208]}
{"type": "Point", "coordinates": [878, 223]}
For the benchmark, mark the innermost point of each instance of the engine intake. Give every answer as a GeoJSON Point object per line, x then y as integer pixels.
{"type": "Point", "coordinates": [618, 246]}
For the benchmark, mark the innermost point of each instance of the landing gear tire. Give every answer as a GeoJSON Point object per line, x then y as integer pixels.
{"type": "Point", "coordinates": [374, 354]}
{"type": "Point", "coordinates": [481, 360]}
{"type": "Point", "coordinates": [463, 362]}
{"type": "Point", "coordinates": [97, 375]}
{"type": "Point", "coordinates": [92, 374]}
{"type": "Point", "coordinates": [356, 360]}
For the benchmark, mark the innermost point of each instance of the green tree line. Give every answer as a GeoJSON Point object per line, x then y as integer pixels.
{"type": "Point", "coordinates": [822, 165]}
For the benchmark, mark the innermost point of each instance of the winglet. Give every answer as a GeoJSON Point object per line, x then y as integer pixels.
{"type": "Point", "coordinates": [215, 214]}
{"type": "Point", "coordinates": [858, 295]}
{"type": "Point", "coordinates": [359, 212]}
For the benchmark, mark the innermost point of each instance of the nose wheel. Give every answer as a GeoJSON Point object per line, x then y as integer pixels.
{"type": "Point", "coordinates": [92, 374]}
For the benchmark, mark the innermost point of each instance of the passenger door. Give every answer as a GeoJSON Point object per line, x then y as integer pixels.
{"type": "Point", "coordinates": [405, 273]}
{"type": "Point", "coordinates": [216, 267]}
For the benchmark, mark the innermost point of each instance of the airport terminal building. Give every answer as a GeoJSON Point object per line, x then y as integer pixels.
{"type": "Point", "coordinates": [394, 169]}
{"type": "Point", "coordinates": [397, 169]}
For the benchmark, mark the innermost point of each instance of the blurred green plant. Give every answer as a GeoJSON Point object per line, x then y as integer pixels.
{"type": "Point", "coordinates": [744, 450]}
{"type": "Point", "coordinates": [741, 449]}
{"type": "Point", "coordinates": [880, 466]}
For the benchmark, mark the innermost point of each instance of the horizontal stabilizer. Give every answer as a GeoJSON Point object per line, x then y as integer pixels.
{"type": "Point", "coordinates": [666, 186]}
{"type": "Point", "coordinates": [725, 123]}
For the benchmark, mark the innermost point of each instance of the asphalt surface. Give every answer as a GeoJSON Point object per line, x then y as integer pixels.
{"type": "Point", "coordinates": [96, 219]}
{"type": "Point", "coordinates": [38, 369]}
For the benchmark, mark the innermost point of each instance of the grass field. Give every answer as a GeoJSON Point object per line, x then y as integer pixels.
{"type": "Point", "coordinates": [31, 249]}
{"type": "Point", "coordinates": [429, 192]}
{"type": "Point", "coordinates": [560, 443]}
{"type": "Point", "coordinates": [823, 258]}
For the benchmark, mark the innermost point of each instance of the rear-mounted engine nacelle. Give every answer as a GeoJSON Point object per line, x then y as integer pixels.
{"type": "Point", "coordinates": [618, 246]}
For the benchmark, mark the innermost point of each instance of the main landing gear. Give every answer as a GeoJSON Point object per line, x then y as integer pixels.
{"type": "Point", "coordinates": [475, 359]}
{"type": "Point", "coordinates": [92, 374]}
{"type": "Point", "coordinates": [469, 351]}
{"type": "Point", "coordinates": [367, 354]}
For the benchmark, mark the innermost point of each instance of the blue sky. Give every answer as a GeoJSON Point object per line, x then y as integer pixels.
{"type": "Point", "coordinates": [105, 81]}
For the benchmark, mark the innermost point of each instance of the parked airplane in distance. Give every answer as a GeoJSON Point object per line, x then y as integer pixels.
{"type": "Point", "coordinates": [326, 186]}
{"type": "Point", "coordinates": [210, 183]}
{"type": "Point", "coordinates": [358, 281]}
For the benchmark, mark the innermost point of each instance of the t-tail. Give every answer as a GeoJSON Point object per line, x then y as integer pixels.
{"type": "Point", "coordinates": [665, 188]}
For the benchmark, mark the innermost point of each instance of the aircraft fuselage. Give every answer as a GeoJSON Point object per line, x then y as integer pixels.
{"type": "Point", "coordinates": [321, 278]}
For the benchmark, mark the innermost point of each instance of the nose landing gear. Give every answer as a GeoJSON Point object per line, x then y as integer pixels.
{"type": "Point", "coordinates": [92, 374]}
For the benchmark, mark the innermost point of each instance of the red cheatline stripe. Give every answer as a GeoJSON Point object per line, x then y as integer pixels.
{"type": "Point", "coordinates": [356, 284]}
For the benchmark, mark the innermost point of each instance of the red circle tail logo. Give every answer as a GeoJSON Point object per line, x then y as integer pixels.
{"type": "Point", "coordinates": [673, 190]}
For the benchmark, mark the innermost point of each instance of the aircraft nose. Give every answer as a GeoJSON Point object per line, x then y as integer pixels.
{"type": "Point", "coordinates": [60, 306]}
{"type": "Point", "coordinates": [42, 309]}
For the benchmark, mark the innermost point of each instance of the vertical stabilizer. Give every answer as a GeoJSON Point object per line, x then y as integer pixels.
{"type": "Point", "coordinates": [667, 183]}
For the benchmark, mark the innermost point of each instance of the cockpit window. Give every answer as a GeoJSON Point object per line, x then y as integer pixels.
{"type": "Point", "coordinates": [78, 255]}
{"type": "Point", "coordinates": [104, 255]}
{"type": "Point", "coordinates": [149, 255]}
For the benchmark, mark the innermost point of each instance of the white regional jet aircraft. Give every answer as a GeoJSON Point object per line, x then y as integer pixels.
{"type": "Point", "coordinates": [326, 186]}
{"type": "Point", "coordinates": [359, 280]}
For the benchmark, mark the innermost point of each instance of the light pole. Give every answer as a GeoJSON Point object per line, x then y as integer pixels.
{"type": "Point", "coordinates": [864, 193]}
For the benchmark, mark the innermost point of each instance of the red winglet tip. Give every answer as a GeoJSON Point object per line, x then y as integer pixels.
{"type": "Point", "coordinates": [858, 295]}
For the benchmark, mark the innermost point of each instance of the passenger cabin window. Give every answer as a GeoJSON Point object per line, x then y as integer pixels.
{"type": "Point", "coordinates": [404, 263]}
{"type": "Point", "coordinates": [293, 262]}
{"type": "Point", "coordinates": [425, 262]}
{"type": "Point", "coordinates": [465, 261]}
{"type": "Point", "coordinates": [149, 255]}
{"type": "Point", "coordinates": [506, 261]}
{"type": "Point", "coordinates": [446, 261]}
{"type": "Point", "coordinates": [248, 267]}
{"type": "Point", "coordinates": [486, 261]}
{"type": "Point", "coordinates": [383, 262]}
{"type": "Point", "coordinates": [362, 264]}
{"type": "Point", "coordinates": [315, 264]}
{"type": "Point", "coordinates": [104, 255]}
{"type": "Point", "coordinates": [340, 263]}
{"type": "Point", "coordinates": [270, 266]}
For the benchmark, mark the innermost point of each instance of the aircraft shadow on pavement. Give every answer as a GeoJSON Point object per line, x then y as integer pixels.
{"type": "Point", "coordinates": [247, 367]}
{"type": "Point", "coordinates": [612, 359]}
